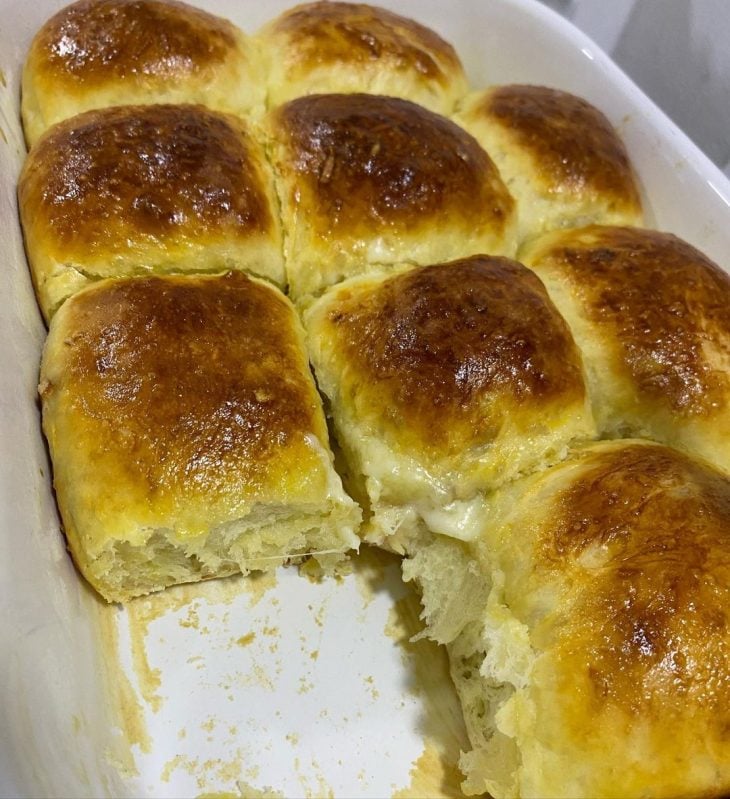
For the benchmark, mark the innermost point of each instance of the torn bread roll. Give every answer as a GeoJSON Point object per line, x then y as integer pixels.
{"type": "Point", "coordinates": [444, 382]}
{"type": "Point", "coordinates": [587, 628]}
{"type": "Point", "coordinates": [187, 436]}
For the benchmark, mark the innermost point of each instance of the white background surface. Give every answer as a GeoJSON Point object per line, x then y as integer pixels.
{"type": "Point", "coordinates": [677, 51]}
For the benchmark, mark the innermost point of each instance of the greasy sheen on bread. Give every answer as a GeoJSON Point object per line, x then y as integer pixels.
{"type": "Point", "coordinates": [135, 190]}
{"type": "Point", "coordinates": [98, 53]}
{"type": "Point", "coordinates": [443, 382]}
{"type": "Point", "coordinates": [187, 435]}
{"type": "Point", "coordinates": [651, 315]}
{"type": "Point", "coordinates": [560, 157]}
{"type": "Point", "coordinates": [589, 633]}
{"type": "Point", "coordinates": [327, 47]}
{"type": "Point", "coordinates": [367, 182]}
{"type": "Point", "coordinates": [180, 171]}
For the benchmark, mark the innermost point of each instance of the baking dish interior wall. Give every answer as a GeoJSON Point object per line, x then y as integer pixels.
{"type": "Point", "coordinates": [56, 717]}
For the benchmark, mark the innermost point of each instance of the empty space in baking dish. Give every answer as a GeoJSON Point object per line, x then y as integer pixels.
{"type": "Point", "coordinates": [308, 688]}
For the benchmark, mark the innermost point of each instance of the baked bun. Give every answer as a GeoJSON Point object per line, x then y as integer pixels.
{"type": "Point", "coordinates": [328, 47]}
{"type": "Point", "coordinates": [651, 315]}
{"type": "Point", "coordinates": [187, 436]}
{"type": "Point", "coordinates": [598, 663]}
{"type": "Point", "coordinates": [368, 181]}
{"type": "Point", "coordinates": [560, 157]}
{"type": "Point", "coordinates": [139, 189]}
{"type": "Point", "coordinates": [98, 53]}
{"type": "Point", "coordinates": [444, 382]}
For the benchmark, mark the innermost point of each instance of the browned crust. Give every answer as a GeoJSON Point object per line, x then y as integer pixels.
{"type": "Point", "coordinates": [437, 345]}
{"type": "Point", "coordinates": [92, 41]}
{"type": "Point", "coordinates": [110, 177]}
{"type": "Point", "coordinates": [573, 144]}
{"type": "Point", "coordinates": [644, 536]}
{"type": "Point", "coordinates": [665, 304]}
{"type": "Point", "coordinates": [367, 161]}
{"type": "Point", "coordinates": [332, 33]}
{"type": "Point", "coordinates": [197, 380]}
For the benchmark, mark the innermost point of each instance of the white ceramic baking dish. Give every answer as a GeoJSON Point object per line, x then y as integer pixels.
{"type": "Point", "coordinates": [236, 685]}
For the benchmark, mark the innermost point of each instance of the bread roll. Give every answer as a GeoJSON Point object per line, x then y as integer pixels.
{"type": "Point", "coordinates": [187, 436]}
{"type": "Point", "coordinates": [651, 315]}
{"type": "Point", "coordinates": [329, 47]}
{"type": "Point", "coordinates": [444, 382]}
{"type": "Point", "coordinates": [560, 157]}
{"type": "Point", "coordinates": [140, 189]}
{"type": "Point", "coordinates": [98, 53]}
{"type": "Point", "coordinates": [369, 181]}
{"type": "Point", "coordinates": [593, 657]}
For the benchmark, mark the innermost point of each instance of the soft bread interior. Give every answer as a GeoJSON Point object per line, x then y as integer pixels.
{"type": "Point", "coordinates": [490, 655]}
{"type": "Point", "coordinates": [262, 540]}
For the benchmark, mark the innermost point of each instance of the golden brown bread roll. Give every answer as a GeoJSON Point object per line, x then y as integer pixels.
{"type": "Point", "coordinates": [560, 157]}
{"type": "Point", "coordinates": [651, 316]}
{"type": "Point", "coordinates": [97, 53]}
{"type": "Point", "coordinates": [369, 181]}
{"type": "Point", "coordinates": [585, 606]}
{"type": "Point", "coordinates": [591, 651]}
{"type": "Point", "coordinates": [139, 189]}
{"type": "Point", "coordinates": [444, 382]}
{"type": "Point", "coordinates": [327, 47]}
{"type": "Point", "coordinates": [187, 436]}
